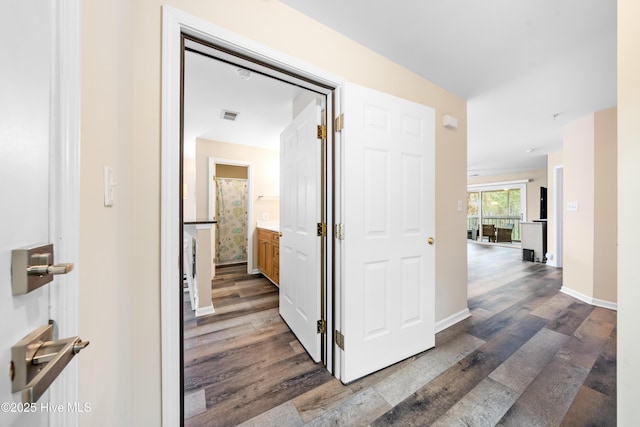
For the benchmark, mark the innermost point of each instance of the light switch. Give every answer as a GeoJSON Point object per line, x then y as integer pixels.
{"type": "Point", "coordinates": [459, 205]}
{"type": "Point", "coordinates": [572, 206]}
{"type": "Point", "coordinates": [108, 186]}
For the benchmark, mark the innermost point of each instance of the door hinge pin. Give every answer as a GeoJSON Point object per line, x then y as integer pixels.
{"type": "Point", "coordinates": [322, 326]}
{"type": "Point", "coordinates": [322, 132]}
{"type": "Point", "coordinates": [339, 232]}
{"type": "Point", "coordinates": [340, 340]}
{"type": "Point", "coordinates": [339, 123]}
{"type": "Point", "coordinates": [322, 229]}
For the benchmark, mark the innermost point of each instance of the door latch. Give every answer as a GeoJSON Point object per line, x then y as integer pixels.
{"type": "Point", "coordinates": [38, 359]}
{"type": "Point", "coordinates": [32, 267]}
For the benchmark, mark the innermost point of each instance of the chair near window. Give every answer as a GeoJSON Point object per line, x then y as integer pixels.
{"type": "Point", "coordinates": [503, 234]}
{"type": "Point", "coordinates": [489, 231]}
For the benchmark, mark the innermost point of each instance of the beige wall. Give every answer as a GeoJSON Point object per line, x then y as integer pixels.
{"type": "Point", "coordinates": [590, 238]}
{"type": "Point", "coordinates": [114, 368]}
{"type": "Point", "coordinates": [265, 179]}
{"type": "Point", "coordinates": [579, 149]}
{"type": "Point", "coordinates": [121, 126]}
{"type": "Point", "coordinates": [538, 178]}
{"type": "Point", "coordinates": [628, 208]}
{"type": "Point", "coordinates": [230, 171]}
{"type": "Point", "coordinates": [605, 236]}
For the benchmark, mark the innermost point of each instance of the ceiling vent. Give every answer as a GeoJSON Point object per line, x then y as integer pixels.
{"type": "Point", "coordinates": [229, 115]}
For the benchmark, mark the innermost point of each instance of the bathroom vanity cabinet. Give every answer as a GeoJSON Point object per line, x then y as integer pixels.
{"type": "Point", "coordinates": [269, 254]}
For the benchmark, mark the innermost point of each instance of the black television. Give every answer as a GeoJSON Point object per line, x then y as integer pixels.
{"type": "Point", "coordinates": [543, 202]}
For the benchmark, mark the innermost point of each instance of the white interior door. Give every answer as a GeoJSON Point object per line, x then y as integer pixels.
{"type": "Point", "coordinates": [388, 278]}
{"type": "Point", "coordinates": [35, 196]}
{"type": "Point", "coordinates": [299, 215]}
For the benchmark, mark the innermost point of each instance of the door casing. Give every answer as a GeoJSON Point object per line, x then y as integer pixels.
{"type": "Point", "coordinates": [175, 24]}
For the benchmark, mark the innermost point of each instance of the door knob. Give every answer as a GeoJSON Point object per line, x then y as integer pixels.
{"type": "Point", "coordinates": [430, 240]}
{"type": "Point", "coordinates": [33, 267]}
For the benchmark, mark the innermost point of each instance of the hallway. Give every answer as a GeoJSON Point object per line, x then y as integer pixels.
{"type": "Point", "coordinates": [529, 355]}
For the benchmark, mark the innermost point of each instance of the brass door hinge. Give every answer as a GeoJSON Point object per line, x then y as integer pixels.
{"type": "Point", "coordinates": [322, 326]}
{"type": "Point", "coordinates": [339, 232]}
{"type": "Point", "coordinates": [322, 132]}
{"type": "Point", "coordinates": [340, 340]}
{"type": "Point", "coordinates": [322, 229]}
{"type": "Point", "coordinates": [339, 123]}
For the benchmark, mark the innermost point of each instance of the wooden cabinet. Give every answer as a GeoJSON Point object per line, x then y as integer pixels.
{"type": "Point", "coordinates": [269, 254]}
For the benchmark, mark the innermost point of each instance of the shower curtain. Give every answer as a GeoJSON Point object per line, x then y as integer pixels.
{"type": "Point", "coordinates": [231, 207]}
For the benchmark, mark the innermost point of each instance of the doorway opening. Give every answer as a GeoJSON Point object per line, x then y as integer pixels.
{"type": "Point", "coordinates": [231, 176]}
{"type": "Point", "coordinates": [230, 205]}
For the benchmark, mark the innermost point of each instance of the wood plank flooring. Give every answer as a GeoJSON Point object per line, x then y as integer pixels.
{"type": "Point", "coordinates": [529, 355]}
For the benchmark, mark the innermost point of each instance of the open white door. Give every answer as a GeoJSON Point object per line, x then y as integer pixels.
{"type": "Point", "coordinates": [39, 184]}
{"type": "Point", "coordinates": [388, 278]}
{"type": "Point", "coordinates": [299, 216]}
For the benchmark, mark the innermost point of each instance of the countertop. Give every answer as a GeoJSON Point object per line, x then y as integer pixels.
{"type": "Point", "coordinates": [269, 225]}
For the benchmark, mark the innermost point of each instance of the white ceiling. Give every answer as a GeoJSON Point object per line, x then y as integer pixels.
{"type": "Point", "coordinates": [264, 105]}
{"type": "Point", "coordinates": [518, 64]}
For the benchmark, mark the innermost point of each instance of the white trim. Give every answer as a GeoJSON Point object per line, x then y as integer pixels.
{"type": "Point", "coordinates": [174, 22]}
{"type": "Point", "coordinates": [65, 189]}
{"type": "Point", "coordinates": [204, 311]}
{"type": "Point", "coordinates": [589, 300]}
{"type": "Point", "coordinates": [558, 218]}
{"type": "Point", "coordinates": [443, 324]}
{"type": "Point", "coordinates": [169, 225]}
{"type": "Point", "coordinates": [500, 184]}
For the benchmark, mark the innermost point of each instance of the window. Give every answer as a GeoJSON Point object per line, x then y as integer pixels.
{"type": "Point", "coordinates": [499, 204]}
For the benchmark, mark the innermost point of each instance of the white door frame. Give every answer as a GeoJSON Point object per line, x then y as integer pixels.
{"type": "Point", "coordinates": [558, 217]}
{"type": "Point", "coordinates": [212, 161]}
{"type": "Point", "coordinates": [174, 23]}
{"type": "Point", "coordinates": [64, 190]}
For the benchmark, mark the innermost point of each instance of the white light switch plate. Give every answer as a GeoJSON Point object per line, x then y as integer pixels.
{"type": "Point", "coordinates": [108, 186]}
{"type": "Point", "coordinates": [572, 206]}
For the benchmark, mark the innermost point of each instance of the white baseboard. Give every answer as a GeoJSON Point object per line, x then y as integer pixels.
{"type": "Point", "coordinates": [203, 311]}
{"type": "Point", "coordinates": [452, 320]}
{"type": "Point", "coordinates": [592, 301]}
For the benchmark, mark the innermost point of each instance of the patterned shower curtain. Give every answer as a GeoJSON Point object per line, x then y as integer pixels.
{"type": "Point", "coordinates": [231, 206]}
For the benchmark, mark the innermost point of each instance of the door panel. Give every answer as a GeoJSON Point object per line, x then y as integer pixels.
{"type": "Point", "coordinates": [24, 180]}
{"type": "Point", "coordinates": [388, 213]}
{"type": "Point", "coordinates": [299, 214]}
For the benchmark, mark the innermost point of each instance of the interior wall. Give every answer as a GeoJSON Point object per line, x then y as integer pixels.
{"type": "Point", "coordinates": [115, 371]}
{"type": "Point", "coordinates": [590, 248]}
{"type": "Point", "coordinates": [189, 190]}
{"type": "Point", "coordinates": [628, 207]}
{"type": "Point", "coordinates": [231, 171]}
{"type": "Point", "coordinates": [265, 180]}
{"type": "Point", "coordinates": [578, 154]}
{"type": "Point", "coordinates": [121, 126]}
{"type": "Point", "coordinates": [605, 236]}
{"type": "Point", "coordinates": [538, 178]}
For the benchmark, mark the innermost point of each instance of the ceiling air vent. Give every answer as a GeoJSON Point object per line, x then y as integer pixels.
{"type": "Point", "coordinates": [229, 115]}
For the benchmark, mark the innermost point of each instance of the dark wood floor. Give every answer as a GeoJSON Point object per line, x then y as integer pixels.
{"type": "Point", "coordinates": [529, 355]}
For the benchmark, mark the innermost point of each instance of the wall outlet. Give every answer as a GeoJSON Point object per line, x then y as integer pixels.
{"type": "Point", "coordinates": [265, 216]}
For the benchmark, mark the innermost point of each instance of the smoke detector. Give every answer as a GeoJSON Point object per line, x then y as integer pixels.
{"type": "Point", "coordinates": [243, 74]}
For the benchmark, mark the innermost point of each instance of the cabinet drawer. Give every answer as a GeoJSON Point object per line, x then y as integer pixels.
{"type": "Point", "coordinates": [264, 235]}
